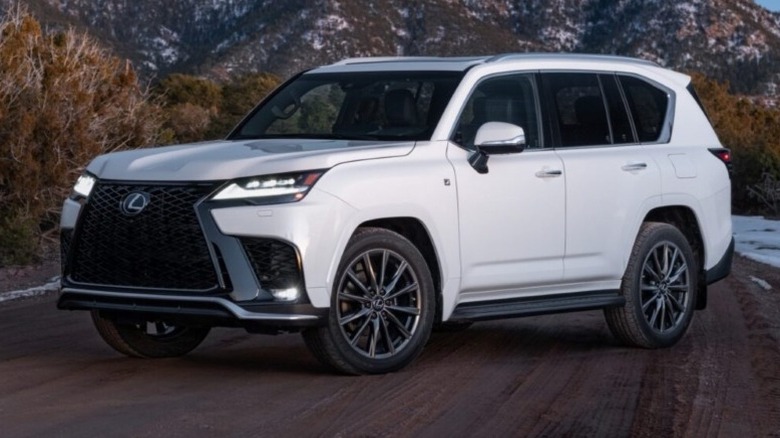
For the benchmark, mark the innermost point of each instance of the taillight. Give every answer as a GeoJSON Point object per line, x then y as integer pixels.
{"type": "Point", "coordinates": [724, 155]}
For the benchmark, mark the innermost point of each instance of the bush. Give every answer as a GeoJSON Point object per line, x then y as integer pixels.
{"type": "Point", "coordinates": [751, 131]}
{"type": "Point", "coordinates": [63, 100]}
{"type": "Point", "coordinates": [199, 109]}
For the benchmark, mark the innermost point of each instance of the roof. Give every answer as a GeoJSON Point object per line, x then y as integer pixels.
{"type": "Point", "coordinates": [405, 63]}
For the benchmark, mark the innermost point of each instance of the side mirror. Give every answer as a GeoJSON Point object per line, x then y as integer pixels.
{"type": "Point", "coordinates": [500, 138]}
{"type": "Point", "coordinates": [495, 138]}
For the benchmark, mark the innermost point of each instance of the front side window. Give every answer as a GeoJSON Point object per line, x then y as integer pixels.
{"type": "Point", "coordinates": [510, 99]}
{"type": "Point", "coordinates": [358, 106]}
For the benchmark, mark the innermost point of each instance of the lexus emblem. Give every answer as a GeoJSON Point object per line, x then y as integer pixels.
{"type": "Point", "coordinates": [134, 203]}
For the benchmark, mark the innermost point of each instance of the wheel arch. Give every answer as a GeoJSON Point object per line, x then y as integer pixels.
{"type": "Point", "coordinates": [685, 219]}
{"type": "Point", "coordinates": [415, 231]}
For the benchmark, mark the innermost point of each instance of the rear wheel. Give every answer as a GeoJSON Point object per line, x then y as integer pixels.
{"type": "Point", "coordinates": [149, 339]}
{"type": "Point", "coordinates": [382, 306]}
{"type": "Point", "coordinates": [659, 286]}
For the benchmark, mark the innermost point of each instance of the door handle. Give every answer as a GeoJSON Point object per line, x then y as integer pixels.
{"type": "Point", "coordinates": [549, 173]}
{"type": "Point", "coordinates": [634, 166]}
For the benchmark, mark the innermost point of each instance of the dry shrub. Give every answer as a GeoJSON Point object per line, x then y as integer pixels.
{"type": "Point", "coordinates": [63, 100]}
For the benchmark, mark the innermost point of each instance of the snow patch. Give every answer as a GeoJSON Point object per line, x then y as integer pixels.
{"type": "Point", "coordinates": [757, 239]}
{"type": "Point", "coordinates": [761, 282]}
{"type": "Point", "coordinates": [47, 288]}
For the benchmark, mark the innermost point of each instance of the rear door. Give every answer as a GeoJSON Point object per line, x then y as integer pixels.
{"type": "Point", "coordinates": [610, 176]}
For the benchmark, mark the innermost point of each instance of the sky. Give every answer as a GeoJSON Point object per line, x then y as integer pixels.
{"type": "Point", "coordinates": [772, 5]}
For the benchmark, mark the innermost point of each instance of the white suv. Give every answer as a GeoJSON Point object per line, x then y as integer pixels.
{"type": "Point", "coordinates": [366, 202]}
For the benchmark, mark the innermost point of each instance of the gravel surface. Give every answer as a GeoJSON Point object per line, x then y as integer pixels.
{"type": "Point", "coordinates": [557, 375]}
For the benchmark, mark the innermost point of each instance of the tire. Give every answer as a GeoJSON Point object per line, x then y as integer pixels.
{"type": "Point", "coordinates": [659, 286]}
{"type": "Point", "coordinates": [382, 306]}
{"type": "Point", "coordinates": [153, 339]}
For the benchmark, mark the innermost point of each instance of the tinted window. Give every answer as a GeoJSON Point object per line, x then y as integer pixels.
{"type": "Point", "coordinates": [510, 99]}
{"type": "Point", "coordinates": [360, 106]}
{"type": "Point", "coordinates": [648, 106]}
{"type": "Point", "coordinates": [578, 108]}
{"type": "Point", "coordinates": [618, 116]}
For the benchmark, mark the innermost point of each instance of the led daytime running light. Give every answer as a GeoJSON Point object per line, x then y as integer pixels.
{"type": "Point", "coordinates": [269, 186]}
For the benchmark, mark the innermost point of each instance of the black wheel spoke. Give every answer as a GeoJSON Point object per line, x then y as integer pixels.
{"type": "Point", "coordinates": [351, 297]}
{"type": "Point", "coordinates": [386, 335]}
{"type": "Point", "coordinates": [383, 269]}
{"type": "Point", "coordinates": [674, 303]}
{"type": "Point", "coordinates": [357, 334]}
{"type": "Point", "coordinates": [656, 311]}
{"type": "Point", "coordinates": [399, 326]}
{"type": "Point", "coordinates": [374, 338]}
{"type": "Point", "coordinates": [356, 281]}
{"type": "Point", "coordinates": [407, 289]}
{"type": "Point", "coordinates": [646, 305]}
{"type": "Point", "coordinates": [408, 310]}
{"type": "Point", "coordinates": [370, 273]}
{"type": "Point", "coordinates": [397, 276]}
{"type": "Point", "coordinates": [650, 271]}
{"type": "Point", "coordinates": [357, 315]}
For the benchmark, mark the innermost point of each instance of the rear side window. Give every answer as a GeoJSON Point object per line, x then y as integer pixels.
{"type": "Point", "coordinates": [578, 105]}
{"type": "Point", "coordinates": [648, 105]}
{"type": "Point", "coordinates": [618, 116]}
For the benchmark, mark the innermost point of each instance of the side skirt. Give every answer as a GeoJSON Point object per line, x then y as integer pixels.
{"type": "Point", "coordinates": [530, 306]}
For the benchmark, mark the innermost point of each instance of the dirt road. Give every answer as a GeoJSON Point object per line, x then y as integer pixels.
{"type": "Point", "coordinates": [561, 375]}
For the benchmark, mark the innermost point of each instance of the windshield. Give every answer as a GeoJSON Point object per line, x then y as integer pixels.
{"type": "Point", "coordinates": [355, 106]}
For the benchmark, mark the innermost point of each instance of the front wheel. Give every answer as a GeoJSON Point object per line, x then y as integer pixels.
{"type": "Point", "coordinates": [659, 286]}
{"type": "Point", "coordinates": [149, 339]}
{"type": "Point", "coordinates": [382, 306]}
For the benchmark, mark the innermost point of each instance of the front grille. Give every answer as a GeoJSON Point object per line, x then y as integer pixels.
{"type": "Point", "coordinates": [275, 263]}
{"type": "Point", "coordinates": [161, 247]}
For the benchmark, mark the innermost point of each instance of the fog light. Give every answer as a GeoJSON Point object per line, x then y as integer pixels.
{"type": "Point", "coordinates": [285, 294]}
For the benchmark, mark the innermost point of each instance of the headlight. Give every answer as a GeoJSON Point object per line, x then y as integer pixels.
{"type": "Point", "coordinates": [289, 187]}
{"type": "Point", "coordinates": [83, 187]}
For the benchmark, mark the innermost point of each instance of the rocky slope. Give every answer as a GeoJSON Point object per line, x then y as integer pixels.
{"type": "Point", "coordinates": [733, 40]}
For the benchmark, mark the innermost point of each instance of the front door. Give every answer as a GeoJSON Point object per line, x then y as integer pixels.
{"type": "Point", "coordinates": [512, 218]}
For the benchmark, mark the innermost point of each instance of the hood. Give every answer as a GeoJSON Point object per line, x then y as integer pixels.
{"type": "Point", "coordinates": [222, 160]}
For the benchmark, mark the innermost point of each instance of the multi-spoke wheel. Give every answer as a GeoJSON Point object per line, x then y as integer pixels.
{"type": "Point", "coordinates": [382, 306]}
{"type": "Point", "coordinates": [659, 287]}
{"type": "Point", "coordinates": [151, 339]}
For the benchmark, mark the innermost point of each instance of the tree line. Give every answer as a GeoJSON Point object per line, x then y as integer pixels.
{"type": "Point", "coordinates": [65, 100]}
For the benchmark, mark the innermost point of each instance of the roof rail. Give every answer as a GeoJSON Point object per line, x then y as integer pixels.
{"type": "Point", "coordinates": [376, 59]}
{"type": "Point", "coordinates": [584, 56]}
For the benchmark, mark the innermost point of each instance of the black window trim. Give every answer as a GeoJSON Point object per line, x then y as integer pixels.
{"type": "Point", "coordinates": [667, 125]}
{"type": "Point", "coordinates": [549, 114]}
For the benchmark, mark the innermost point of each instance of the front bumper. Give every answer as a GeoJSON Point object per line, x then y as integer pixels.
{"type": "Point", "coordinates": [172, 262]}
{"type": "Point", "coordinates": [194, 310]}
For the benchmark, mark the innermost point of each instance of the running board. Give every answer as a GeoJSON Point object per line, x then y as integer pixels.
{"type": "Point", "coordinates": [531, 306]}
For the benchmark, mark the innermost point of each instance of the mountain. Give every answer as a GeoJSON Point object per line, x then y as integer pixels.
{"type": "Point", "coordinates": [734, 40]}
